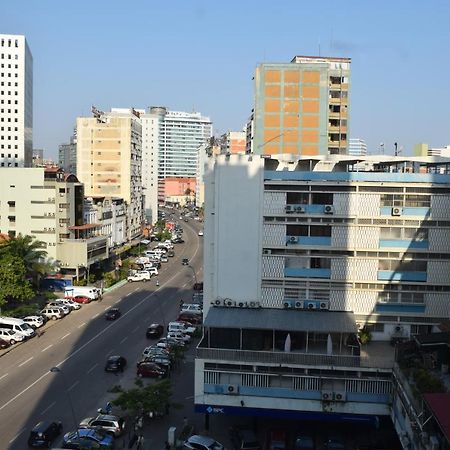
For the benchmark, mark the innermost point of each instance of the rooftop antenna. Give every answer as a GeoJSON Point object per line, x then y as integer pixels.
{"type": "Point", "coordinates": [395, 149]}
{"type": "Point", "coordinates": [382, 148]}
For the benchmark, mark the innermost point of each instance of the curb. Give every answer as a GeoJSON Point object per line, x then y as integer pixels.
{"type": "Point", "coordinates": [115, 286]}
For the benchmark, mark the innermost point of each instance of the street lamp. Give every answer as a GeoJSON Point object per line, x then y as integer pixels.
{"type": "Point", "coordinates": [58, 370]}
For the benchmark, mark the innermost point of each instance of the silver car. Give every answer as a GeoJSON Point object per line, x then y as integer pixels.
{"type": "Point", "coordinates": [110, 424]}
{"type": "Point", "coordinates": [198, 442]}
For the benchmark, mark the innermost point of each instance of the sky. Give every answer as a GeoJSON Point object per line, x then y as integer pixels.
{"type": "Point", "coordinates": [200, 55]}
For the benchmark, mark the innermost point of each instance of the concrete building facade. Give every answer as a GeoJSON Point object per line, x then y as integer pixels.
{"type": "Point", "coordinates": [302, 107]}
{"type": "Point", "coordinates": [233, 142]}
{"type": "Point", "coordinates": [357, 147]}
{"type": "Point", "coordinates": [109, 152]}
{"type": "Point", "coordinates": [16, 102]}
{"type": "Point", "coordinates": [312, 254]}
{"type": "Point", "coordinates": [67, 155]}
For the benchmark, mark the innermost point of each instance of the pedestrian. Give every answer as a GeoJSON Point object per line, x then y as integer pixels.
{"type": "Point", "coordinates": [157, 282]}
{"type": "Point", "coordinates": [108, 408]}
{"type": "Point", "coordinates": [181, 302]}
{"type": "Point", "coordinates": [38, 332]}
{"type": "Point", "coordinates": [140, 442]}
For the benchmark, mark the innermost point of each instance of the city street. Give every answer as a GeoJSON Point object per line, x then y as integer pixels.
{"type": "Point", "coordinates": [79, 345]}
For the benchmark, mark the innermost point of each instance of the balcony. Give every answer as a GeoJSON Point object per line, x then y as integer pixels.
{"type": "Point", "coordinates": [324, 241]}
{"type": "Point", "coordinates": [297, 272]}
{"type": "Point", "coordinates": [403, 243]}
{"type": "Point", "coordinates": [390, 275]}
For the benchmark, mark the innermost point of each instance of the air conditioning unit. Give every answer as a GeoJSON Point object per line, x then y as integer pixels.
{"type": "Point", "coordinates": [298, 304]}
{"type": "Point", "coordinates": [398, 329]}
{"type": "Point", "coordinates": [288, 304]}
{"type": "Point", "coordinates": [293, 239]}
{"type": "Point", "coordinates": [396, 211]}
{"type": "Point", "coordinates": [229, 303]}
{"type": "Point", "coordinates": [300, 209]}
{"type": "Point", "coordinates": [324, 305]}
{"type": "Point", "coordinates": [267, 252]}
{"type": "Point", "coordinates": [232, 389]}
{"type": "Point", "coordinates": [328, 209]}
{"type": "Point", "coordinates": [310, 305]}
{"type": "Point", "coordinates": [289, 208]}
{"type": "Point", "coordinates": [217, 302]}
{"type": "Point", "coordinates": [327, 396]}
{"type": "Point", "coordinates": [242, 304]}
{"type": "Point", "coordinates": [254, 304]}
{"type": "Point", "coordinates": [340, 396]}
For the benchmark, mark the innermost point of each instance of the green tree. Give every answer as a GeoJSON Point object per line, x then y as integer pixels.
{"type": "Point", "coordinates": [144, 399]}
{"type": "Point", "coordinates": [13, 285]}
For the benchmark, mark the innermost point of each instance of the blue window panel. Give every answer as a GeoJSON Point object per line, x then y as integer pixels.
{"type": "Point", "coordinates": [307, 273]}
{"type": "Point", "coordinates": [418, 212]}
{"type": "Point", "coordinates": [399, 177]}
{"type": "Point", "coordinates": [309, 240]}
{"type": "Point", "coordinates": [400, 308]}
{"type": "Point", "coordinates": [401, 276]}
{"type": "Point", "coordinates": [400, 243]}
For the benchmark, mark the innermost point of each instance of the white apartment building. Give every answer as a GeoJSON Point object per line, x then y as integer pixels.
{"type": "Point", "coordinates": [172, 140]}
{"type": "Point", "coordinates": [16, 102]}
{"type": "Point", "coordinates": [357, 147]}
{"type": "Point", "coordinates": [301, 253]}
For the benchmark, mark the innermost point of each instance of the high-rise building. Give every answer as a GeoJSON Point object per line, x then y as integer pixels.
{"type": "Point", "coordinates": [305, 260]}
{"type": "Point", "coordinates": [16, 102]}
{"type": "Point", "coordinates": [301, 107]}
{"type": "Point", "coordinates": [357, 147]}
{"type": "Point", "coordinates": [233, 142]}
{"type": "Point", "coordinates": [109, 160]}
{"type": "Point", "coordinates": [67, 154]}
{"type": "Point", "coordinates": [171, 143]}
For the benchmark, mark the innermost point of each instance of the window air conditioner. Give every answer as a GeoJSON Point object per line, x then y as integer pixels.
{"type": "Point", "coordinates": [340, 396]}
{"type": "Point", "coordinates": [298, 304]}
{"type": "Point", "coordinates": [289, 208]}
{"type": "Point", "coordinates": [396, 211]}
{"type": "Point", "coordinates": [288, 304]}
{"type": "Point", "coordinates": [229, 302]}
{"type": "Point", "coordinates": [324, 305]}
{"type": "Point", "coordinates": [311, 305]}
{"type": "Point", "coordinates": [328, 209]}
{"type": "Point", "coordinates": [293, 239]}
{"type": "Point", "coordinates": [217, 302]}
{"type": "Point", "coordinates": [232, 389]}
{"type": "Point", "coordinates": [242, 304]}
{"type": "Point", "coordinates": [300, 209]}
{"type": "Point", "coordinates": [327, 396]}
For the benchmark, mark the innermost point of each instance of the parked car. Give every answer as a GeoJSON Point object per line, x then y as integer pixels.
{"type": "Point", "coordinates": [55, 304]}
{"type": "Point", "coordinates": [164, 259]}
{"type": "Point", "coordinates": [77, 439]}
{"type": "Point", "coordinates": [69, 303]}
{"type": "Point", "coordinates": [4, 344]}
{"type": "Point", "coordinates": [11, 336]}
{"type": "Point", "coordinates": [44, 433]}
{"type": "Point", "coordinates": [191, 307]}
{"type": "Point", "coordinates": [190, 318]}
{"type": "Point", "coordinates": [169, 344]}
{"type": "Point", "coordinates": [53, 312]}
{"type": "Point", "coordinates": [164, 361]}
{"type": "Point", "coordinates": [81, 299]}
{"type": "Point", "coordinates": [150, 369]}
{"type": "Point", "coordinates": [180, 326]}
{"type": "Point", "coordinates": [200, 233]}
{"type": "Point", "coordinates": [170, 253]}
{"type": "Point", "coordinates": [198, 442]}
{"type": "Point", "coordinates": [304, 441]}
{"type": "Point", "coordinates": [139, 276]}
{"type": "Point", "coordinates": [244, 439]}
{"type": "Point", "coordinates": [155, 330]}
{"type": "Point", "coordinates": [155, 350]}
{"type": "Point", "coordinates": [150, 271]}
{"type": "Point", "coordinates": [198, 286]}
{"type": "Point", "coordinates": [105, 422]}
{"type": "Point", "coordinates": [179, 336]}
{"type": "Point", "coordinates": [112, 314]}
{"type": "Point", "coordinates": [185, 262]}
{"type": "Point", "coordinates": [115, 364]}
{"type": "Point", "coordinates": [34, 321]}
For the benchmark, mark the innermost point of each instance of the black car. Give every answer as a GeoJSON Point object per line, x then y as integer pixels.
{"type": "Point", "coordinates": [170, 253]}
{"type": "Point", "coordinates": [112, 314]}
{"type": "Point", "coordinates": [44, 433]}
{"type": "Point", "coordinates": [185, 262]}
{"type": "Point", "coordinates": [115, 364]}
{"type": "Point", "coordinates": [155, 330]}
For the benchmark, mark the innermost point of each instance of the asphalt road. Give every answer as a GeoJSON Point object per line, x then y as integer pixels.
{"type": "Point", "coordinates": [79, 345]}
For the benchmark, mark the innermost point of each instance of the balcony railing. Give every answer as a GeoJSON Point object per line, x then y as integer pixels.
{"type": "Point", "coordinates": [308, 359]}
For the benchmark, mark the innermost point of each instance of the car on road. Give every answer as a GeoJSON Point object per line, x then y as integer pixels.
{"type": "Point", "coordinates": [77, 439]}
{"type": "Point", "coordinates": [81, 299]}
{"type": "Point", "coordinates": [139, 276]}
{"type": "Point", "coordinates": [53, 313]}
{"type": "Point", "coordinates": [44, 433]}
{"type": "Point", "coordinates": [164, 259]}
{"type": "Point", "coordinates": [105, 422]}
{"type": "Point", "coordinates": [191, 307]}
{"type": "Point", "coordinates": [190, 318]}
{"type": "Point", "coordinates": [65, 309]}
{"type": "Point", "coordinates": [112, 314]}
{"type": "Point", "coordinates": [199, 442]}
{"type": "Point", "coordinates": [200, 233]}
{"type": "Point", "coordinates": [34, 321]}
{"type": "Point", "coordinates": [198, 286]}
{"type": "Point", "coordinates": [164, 361]}
{"type": "Point", "coordinates": [170, 253]}
{"type": "Point", "coordinates": [155, 330]}
{"type": "Point", "coordinates": [150, 271]}
{"type": "Point", "coordinates": [155, 350]}
{"type": "Point", "coordinates": [11, 336]}
{"type": "Point", "coordinates": [3, 344]}
{"type": "Point", "coordinates": [150, 369]}
{"type": "Point", "coordinates": [244, 439]}
{"type": "Point", "coordinates": [185, 262]}
{"type": "Point", "coordinates": [169, 344]}
{"type": "Point", "coordinates": [179, 336]}
{"type": "Point", "coordinates": [69, 303]}
{"type": "Point", "coordinates": [115, 364]}
{"type": "Point", "coordinates": [180, 326]}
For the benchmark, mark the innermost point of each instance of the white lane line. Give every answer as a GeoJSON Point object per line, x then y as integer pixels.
{"type": "Point", "coordinates": [17, 435]}
{"type": "Point", "coordinates": [48, 407]}
{"type": "Point", "coordinates": [134, 331]}
{"type": "Point", "coordinates": [73, 385]}
{"type": "Point", "coordinates": [68, 334]}
{"type": "Point", "coordinates": [106, 309]}
{"type": "Point", "coordinates": [136, 289]}
{"type": "Point", "coordinates": [3, 376]}
{"type": "Point", "coordinates": [28, 360]}
{"type": "Point", "coordinates": [95, 315]}
{"type": "Point", "coordinates": [92, 368]}
{"type": "Point", "coordinates": [46, 348]}
{"type": "Point", "coordinates": [81, 325]}
{"type": "Point", "coordinates": [123, 340]}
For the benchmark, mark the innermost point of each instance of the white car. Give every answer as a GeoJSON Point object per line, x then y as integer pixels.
{"type": "Point", "coordinates": [34, 321]}
{"type": "Point", "coordinates": [139, 276]}
{"type": "Point", "coordinates": [11, 336]}
{"type": "Point", "coordinates": [191, 307]}
{"type": "Point", "coordinates": [151, 271]}
{"type": "Point", "coordinates": [69, 303]}
{"type": "Point", "coordinates": [56, 304]}
{"type": "Point", "coordinates": [200, 233]}
{"type": "Point", "coordinates": [178, 336]}
{"type": "Point", "coordinates": [164, 259]}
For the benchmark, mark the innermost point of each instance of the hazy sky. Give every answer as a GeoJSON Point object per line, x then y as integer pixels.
{"type": "Point", "coordinates": [200, 55]}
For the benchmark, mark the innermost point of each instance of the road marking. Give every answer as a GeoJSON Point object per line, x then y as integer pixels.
{"type": "Point", "coordinates": [28, 360]}
{"type": "Point", "coordinates": [92, 368]}
{"type": "Point", "coordinates": [3, 376]}
{"type": "Point", "coordinates": [17, 435]}
{"type": "Point", "coordinates": [95, 315]}
{"type": "Point", "coordinates": [134, 331]}
{"type": "Point", "coordinates": [136, 289]}
{"type": "Point", "coordinates": [107, 308]}
{"type": "Point", "coordinates": [46, 348]}
{"type": "Point", "coordinates": [65, 336]}
{"type": "Point", "coordinates": [123, 340]}
{"type": "Point", "coordinates": [73, 385]}
{"type": "Point", "coordinates": [48, 407]}
{"type": "Point", "coordinates": [81, 325]}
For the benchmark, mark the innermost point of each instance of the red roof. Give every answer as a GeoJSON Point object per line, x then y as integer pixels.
{"type": "Point", "coordinates": [439, 405]}
{"type": "Point", "coordinates": [86, 226]}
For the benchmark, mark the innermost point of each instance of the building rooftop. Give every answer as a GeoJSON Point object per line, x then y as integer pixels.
{"type": "Point", "coordinates": [439, 405]}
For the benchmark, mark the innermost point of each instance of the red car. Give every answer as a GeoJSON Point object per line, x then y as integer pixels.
{"type": "Point", "coordinates": [3, 344]}
{"type": "Point", "coordinates": [190, 318]}
{"type": "Point", "coordinates": [80, 299]}
{"type": "Point", "coordinates": [150, 369]}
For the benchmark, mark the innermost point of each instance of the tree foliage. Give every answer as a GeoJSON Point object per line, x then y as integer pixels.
{"type": "Point", "coordinates": [13, 285]}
